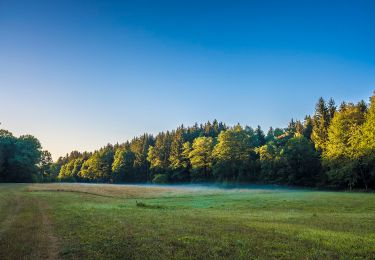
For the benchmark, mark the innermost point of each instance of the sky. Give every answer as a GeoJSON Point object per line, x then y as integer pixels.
{"type": "Point", "coordinates": [81, 74]}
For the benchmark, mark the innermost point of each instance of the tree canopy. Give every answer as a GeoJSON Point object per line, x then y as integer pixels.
{"type": "Point", "coordinates": [335, 147]}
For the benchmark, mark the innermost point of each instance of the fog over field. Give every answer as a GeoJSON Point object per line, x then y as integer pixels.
{"type": "Point", "coordinates": [198, 188]}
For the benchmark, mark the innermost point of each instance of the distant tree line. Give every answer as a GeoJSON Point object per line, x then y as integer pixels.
{"type": "Point", "coordinates": [334, 148]}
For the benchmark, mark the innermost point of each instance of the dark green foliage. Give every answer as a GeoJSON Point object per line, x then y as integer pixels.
{"type": "Point", "coordinates": [301, 161]}
{"type": "Point", "coordinates": [47, 172]}
{"type": "Point", "coordinates": [307, 127]}
{"type": "Point", "coordinates": [22, 159]}
{"type": "Point", "coordinates": [260, 137]}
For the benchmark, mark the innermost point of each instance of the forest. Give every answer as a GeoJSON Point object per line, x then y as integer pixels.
{"type": "Point", "coordinates": [334, 148]}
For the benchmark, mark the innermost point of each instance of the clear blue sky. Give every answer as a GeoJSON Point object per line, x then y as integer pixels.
{"type": "Point", "coordinates": [79, 74]}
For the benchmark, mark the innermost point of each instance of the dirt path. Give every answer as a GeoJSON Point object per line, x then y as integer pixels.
{"type": "Point", "coordinates": [49, 236]}
{"type": "Point", "coordinates": [27, 231]}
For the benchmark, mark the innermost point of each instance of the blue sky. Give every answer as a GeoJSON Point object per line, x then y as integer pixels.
{"type": "Point", "coordinates": [80, 74]}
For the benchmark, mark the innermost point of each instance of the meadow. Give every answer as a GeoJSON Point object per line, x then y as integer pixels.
{"type": "Point", "coordinates": [102, 221]}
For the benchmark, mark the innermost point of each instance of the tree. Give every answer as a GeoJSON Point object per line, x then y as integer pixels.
{"type": "Point", "coordinates": [179, 158]}
{"type": "Point", "coordinates": [66, 172]}
{"type": "Point", "coordinates": [175, 156]}
{"type": "Point", "coordinates": [331, 109]}
{"type": "Point", "coordinates": [232, 153]}
{"type": "Point", "coordinates": [158, 154]}
{"type": "Point", "coordinates": [320, 125]}
{"type": "Point", "coordinates": [24, 164]}
{"type": "Point", "coordinates": [201, 158]}
{"type": "Point", "coordinates": [301, 160]}
{"type": "Point", "coordinates": [364, 141]}
{"type": "Point", "coordinates": [20, 158]}
{"type": "Point", "coordinates": [299, 128]}
{"type": "Point", "coordinates": [186, 149]}
{"type": "Point", "coordinates": [123, 162]}
{"type": "Point", "coordinates": [260, 137]}
{"type": "Point", "coordinates": [69, 167]}
{"type": "Point", "coordinates": [45, 167]}
{"type": "Point", "coordinates": [140, 146]}
{"type": "Point", "coordinates": [270, 135]}
{"type": "Point", "coordinates": [271, 164]}
{"type": "Point", "coordinates": [307, 127]}
{"type": "Point", "coordinates": [338, 157]}
{"type": "Point", "coordinates": [295, 163]}
{"type": "Point", "coordinates": [7, 151]}
{"type": "Point", "coordinates": [99, 166]}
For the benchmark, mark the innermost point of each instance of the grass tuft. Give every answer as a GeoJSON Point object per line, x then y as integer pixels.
{"type": "Point", "coordinates": [144, 205]}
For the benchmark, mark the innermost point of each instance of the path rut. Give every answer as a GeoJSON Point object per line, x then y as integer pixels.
{"type": "Point", "coordinates": [27, 230]}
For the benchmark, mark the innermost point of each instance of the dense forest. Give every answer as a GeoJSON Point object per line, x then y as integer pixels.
{"type": "Point", "coordinates": [334, 148]}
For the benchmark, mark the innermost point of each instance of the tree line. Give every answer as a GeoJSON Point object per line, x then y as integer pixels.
{"type": "Point", "coordinates": [23, 160]}
{"type": "Point", "coordinates": [334, 148]}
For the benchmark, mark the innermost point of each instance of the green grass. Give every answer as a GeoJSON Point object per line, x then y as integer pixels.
{"type": "Point", "coordinates": [106, 222]}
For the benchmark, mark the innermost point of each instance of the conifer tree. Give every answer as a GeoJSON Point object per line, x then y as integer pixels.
{"type": "Point", "coordinates": [320, 125]}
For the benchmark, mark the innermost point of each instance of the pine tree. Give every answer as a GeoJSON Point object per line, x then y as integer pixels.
{"type": "Point", "coordinates": [158, 155]}
{"type": "Point", "coordinates": [140, 146]}
{"type": "Point", "coordinates": [307, 127]}
{"type": "Point", "coordinates": [299, 128]}
{"type": "Point", "coordinates": [320, 125]}
{"type": "Point", "coordinates": [331, 109]}
{"type": "Point", "coordinates": [270, 135]}
{"type": "Point", "coordinates": [175, 157]}
{"type": "Point", "coordinates": [261, 139]}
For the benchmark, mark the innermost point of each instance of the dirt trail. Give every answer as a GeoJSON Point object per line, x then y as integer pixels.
{"type": "Point", "coordinates": [27, 231]}
{"type": "Point", "coordinates": [52, 242]}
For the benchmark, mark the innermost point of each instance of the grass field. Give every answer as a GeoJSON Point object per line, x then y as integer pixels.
{"type": "Point", "coordinates": [138, 222]}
